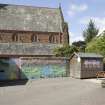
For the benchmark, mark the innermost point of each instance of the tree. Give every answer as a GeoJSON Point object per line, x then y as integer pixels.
{"type": "Point", "coordinates": [3, 6]}
{"type": "Point", "coordinates": [80, 45]}
{"type": "Point", "coordinates": [97, 45]}
{"type": "Point", "coordinates": [65, 51]}
{"type": "Point", "coordinates": [90, 32]}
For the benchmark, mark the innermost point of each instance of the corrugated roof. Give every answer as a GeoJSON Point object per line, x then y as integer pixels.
{"type": "Point", "coordinates": [28, 18]}
{"type": "Point", "coordinates": [89, 55]}
{"type": "Point", "coordinates": [27, 48]}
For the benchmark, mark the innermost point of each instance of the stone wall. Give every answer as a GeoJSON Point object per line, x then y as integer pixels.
{"type": "Point", "coordinates": [26, 37]}
{"type": "Point", "coordinates": [43, 67]}
{"type": "Point", "coordinates": [33, 68]}
{"type": "Point", "coordinates": [24, 49]}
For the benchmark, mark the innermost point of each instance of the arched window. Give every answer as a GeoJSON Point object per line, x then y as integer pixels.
{"type": "Point", "coordinates": [51, 38]}
{"type": "Point", "coordinates": [34, 38]}
{"type": "Point", "coordinates": [15, 37]}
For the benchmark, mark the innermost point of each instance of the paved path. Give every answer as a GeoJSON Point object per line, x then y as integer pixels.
{"type": "Point", "coordinates": [61, 91]}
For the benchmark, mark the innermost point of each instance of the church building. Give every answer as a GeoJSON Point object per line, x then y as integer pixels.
{"type": "Point", "coordinates": [25, 30]}
{"type": "Point", "coordinates": [28, 36]}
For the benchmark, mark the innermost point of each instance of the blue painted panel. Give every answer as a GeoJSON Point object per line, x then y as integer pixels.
{"type": "Point", "coordinates": [3, 76]}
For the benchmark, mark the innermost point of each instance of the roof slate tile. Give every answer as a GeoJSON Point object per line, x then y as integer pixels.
{"type": "Point", "coordinates": [27, 18]}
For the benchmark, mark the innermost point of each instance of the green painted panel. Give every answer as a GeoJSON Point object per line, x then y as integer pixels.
{"type": "Point", "coordinates": [41, 71]}
{"type": "Point", "coordinates": [9, 69]}
{"type": "Point", "coordinates": [15, 68]}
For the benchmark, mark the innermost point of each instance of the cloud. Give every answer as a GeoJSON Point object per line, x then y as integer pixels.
{"type": "Point", "coordinates": [79, 8]}
{"type": "Point", "coordinates": [74, 9]}
{"type": "Point", "coordinates": [99, 21]}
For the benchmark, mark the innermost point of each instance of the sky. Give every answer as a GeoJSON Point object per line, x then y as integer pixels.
{"type": "Point", "coordinates": [77, 13]}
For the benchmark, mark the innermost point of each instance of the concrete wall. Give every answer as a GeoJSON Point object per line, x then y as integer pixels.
{"type": "Point", "coordinates": [32, 68]}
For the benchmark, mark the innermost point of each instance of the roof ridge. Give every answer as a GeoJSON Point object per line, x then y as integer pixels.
{"type": "Point", "coordinates": [28, 6]}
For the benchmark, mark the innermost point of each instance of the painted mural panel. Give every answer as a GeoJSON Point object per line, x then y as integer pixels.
{"type": "Point", "coordinates": [31, 68]}
{"type": "Point", "coordinates": [39, 68]}
{"type": "Point", "coordinates": [9, 69]}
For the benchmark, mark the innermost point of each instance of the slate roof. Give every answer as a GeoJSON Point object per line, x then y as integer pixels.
{"type": "Point", "coordinates": [28, 18]}
{"type": "Point", "coordinates": [89, 55]}
{"type": "Point", "coordinates": [27, 49]}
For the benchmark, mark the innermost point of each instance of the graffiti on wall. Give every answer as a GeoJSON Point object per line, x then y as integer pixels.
{"type": "Point", "coordinates": [9, 69]}
{"type": "Point", "coordinates": [41, 71]}
{"type": "Point", "coordinates": [43, 68]}
{"type": "Point", "coordinates": [17, 68]}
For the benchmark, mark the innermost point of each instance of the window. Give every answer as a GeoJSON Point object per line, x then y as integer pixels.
{"type": "Point", "coordinates": [56, 39]}
{"type": "Point", "coordinates": [34, 38]}
{"type": "Point", "coordinates": [0, 37]}
{"type": "Point", "coordinates": [51, 39]}
{"type": "Point", "coordinates": [15, 37]}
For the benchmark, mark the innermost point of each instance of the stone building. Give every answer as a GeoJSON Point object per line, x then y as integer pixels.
{"type": "Point", "coordinates": [39, 26]}
{"type": "Point", "coordinates": [28, 34]}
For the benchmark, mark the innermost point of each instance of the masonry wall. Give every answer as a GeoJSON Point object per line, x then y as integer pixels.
{"type": "Point", "coordinates": [9, 68]}
{"type": "Point", "coordinates": [26, 37]}
{"type": "Point", "coordinates": [33, 68]}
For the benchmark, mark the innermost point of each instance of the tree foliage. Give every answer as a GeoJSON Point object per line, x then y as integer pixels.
{"type": "Point", "coordinates": [80, 45]}
{"type": "Point", "coordinates": [65, 51]}
{"type": "Point", "coordinates": [97, 45]}
{"type": "Point", "coordinates": [90, 32]}
{"type": "Point", "coordinates": [3, 6]}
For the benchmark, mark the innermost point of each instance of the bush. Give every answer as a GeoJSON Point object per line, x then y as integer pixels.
{"type": "Point", "coordinates": [65, 51]}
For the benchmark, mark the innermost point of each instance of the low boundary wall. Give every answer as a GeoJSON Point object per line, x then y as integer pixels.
{"type": "Point", "coordinates": [33, 68]}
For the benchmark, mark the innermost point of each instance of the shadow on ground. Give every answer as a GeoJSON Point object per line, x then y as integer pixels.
{"type": "Point", "coordinates": [13, 82]}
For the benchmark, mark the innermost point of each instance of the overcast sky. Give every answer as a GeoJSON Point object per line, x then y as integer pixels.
{"type": "Point", "coordinates": [76, 12]}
